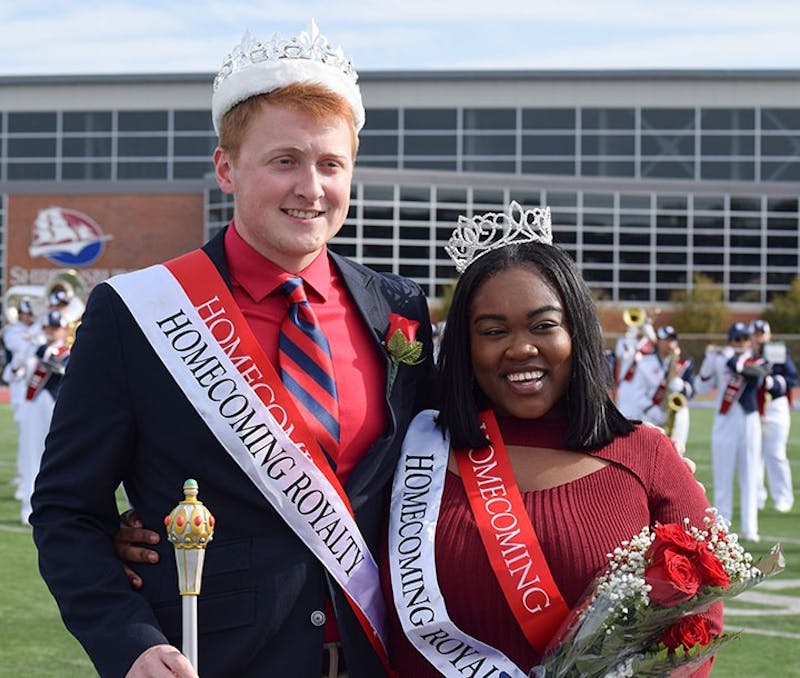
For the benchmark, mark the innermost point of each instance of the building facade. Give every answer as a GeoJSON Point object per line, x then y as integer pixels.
{"type": "Point", "coordinates": [652, 177]}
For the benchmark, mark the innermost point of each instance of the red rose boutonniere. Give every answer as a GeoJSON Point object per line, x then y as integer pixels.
{"type": "Point", "coordinates": [401, 344]}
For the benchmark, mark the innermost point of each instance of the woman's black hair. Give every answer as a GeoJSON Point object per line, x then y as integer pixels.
{"type": "Point", "coordinates": [593, 419]}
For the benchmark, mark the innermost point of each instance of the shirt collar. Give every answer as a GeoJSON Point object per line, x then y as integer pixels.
{"type": "Point", "coordinates": [259, 277]}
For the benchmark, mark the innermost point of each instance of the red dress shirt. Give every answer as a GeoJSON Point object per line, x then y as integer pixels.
{"type": "Point", "coordinates": [358, 366]}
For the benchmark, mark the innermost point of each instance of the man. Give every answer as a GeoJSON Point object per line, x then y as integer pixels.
{"type": "Point", "coordinates": [630, 348]}
{"type": "Point", "coordinates": [174, 375]}
{"type": "Point", "coordinates": [736, 433]}
{"type": "Point", "coordinates": [774, 406]}
{"type": "Point", "coordinates": [50, 359]}
{"type": "Point", "coordinates": [20, 339]}
{"type": "Point", "coordinates": [662, 379]}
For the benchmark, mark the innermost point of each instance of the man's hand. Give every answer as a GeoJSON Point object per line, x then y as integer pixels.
{"type": "Point", "coordinates": [130, 547]}
{"type": "Point", "coordinates": [161, 661]}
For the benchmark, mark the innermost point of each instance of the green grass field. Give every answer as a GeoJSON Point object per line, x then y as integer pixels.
{"type": "Point", "coordinates": [34, 643]}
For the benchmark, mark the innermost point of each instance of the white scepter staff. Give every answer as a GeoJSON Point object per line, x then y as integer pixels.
{"type": "Point", "coordinates": [190, 526]}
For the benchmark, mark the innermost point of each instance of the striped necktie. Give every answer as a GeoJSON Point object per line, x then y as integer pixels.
{"type": "Point", "coordinates": [307, 369]}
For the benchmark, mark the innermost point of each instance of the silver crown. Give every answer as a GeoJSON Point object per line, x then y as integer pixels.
{"type": "Point", "coordinates": [311, 45]}
{"type": "Point", "coordinates": [476, 236]}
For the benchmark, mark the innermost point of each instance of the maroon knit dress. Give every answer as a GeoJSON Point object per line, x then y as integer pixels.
{"type": "Point", "coordinates": [577, 524]}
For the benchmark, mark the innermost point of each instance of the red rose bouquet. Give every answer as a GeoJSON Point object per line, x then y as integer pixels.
{"type": "Point", "coordinates": [643, 615]}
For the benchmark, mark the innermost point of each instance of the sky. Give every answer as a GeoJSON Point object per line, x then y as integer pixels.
{"type": "Point", "coordinates": [60, 37]}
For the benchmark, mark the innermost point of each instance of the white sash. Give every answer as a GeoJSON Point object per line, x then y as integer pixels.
{"type": "Point", "coordinates": [249, 430]}
{"type": "Point", "coordinates": [416, 498]}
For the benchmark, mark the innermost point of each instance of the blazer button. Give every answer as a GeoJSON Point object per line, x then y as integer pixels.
{"type": "Point", "coordinates": [318, 618]}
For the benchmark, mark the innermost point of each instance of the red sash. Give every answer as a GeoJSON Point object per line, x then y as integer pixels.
{"type": "Point", "coordinates": [38, 379]}
{"type": "Point", "coordinates": [201, 281]}
{"type": "Point", "coordinates": [509, 539]}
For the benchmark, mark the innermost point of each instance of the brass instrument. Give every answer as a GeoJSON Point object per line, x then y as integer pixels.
{"type": "Point", "coordinates": [71, 284]}
{"type": "Point", "coordinates": [638, 318]}
{"type": "Point", "coordinates": [674, 402]}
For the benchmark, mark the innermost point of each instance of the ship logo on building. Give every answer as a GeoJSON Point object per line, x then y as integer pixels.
{"type": "Point", "coordinates": [67, 237]}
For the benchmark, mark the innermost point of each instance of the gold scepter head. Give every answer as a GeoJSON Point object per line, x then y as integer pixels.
{"type": "Point", "coordinates": [190, 526]}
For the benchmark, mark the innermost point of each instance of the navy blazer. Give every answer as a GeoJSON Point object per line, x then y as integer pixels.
{"type": "Point", "coordinates": [120, 418]}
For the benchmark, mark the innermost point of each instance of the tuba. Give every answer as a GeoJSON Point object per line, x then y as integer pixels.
{"type": "Point", "coordinates": [70, 283]}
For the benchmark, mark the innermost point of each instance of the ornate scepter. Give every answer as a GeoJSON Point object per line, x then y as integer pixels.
{"type": "Point", "coordinates": [190, 526]}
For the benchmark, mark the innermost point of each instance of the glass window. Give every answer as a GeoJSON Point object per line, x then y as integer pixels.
{"type": "Point", "coordinates": [415, 213]}
{"type": "Point", "coordinates": [416, 163]}
{"type": "Point", "coordinates": [607, 144]}
{"type": "Point", "coordinates": [370, 161]}
{"type": "Point", "coordinates": [507, 167]}
{"type": "Point", "coordinates": [671, 240]}
{"type": "Point", "coordinates": [728, 118]}
{"type": "Point", "coordinates": [671, 202]}
{"type": "Point", "coordinates": [782, 224]}
{"type": "Point", "coordinates": [667, 144]}
{"type": "Point", "coordinates": [85, 170]}
{"type": "Point", "coordinates": [378, 192]}
{"type": "Point", "coordinates": [32, 148]}
{"type": "Point", "coordinates": [484, 144]}
{"type": "Point", "coordinates": [415, 194]}
{"type": "Point", "coordinates": [193, 121]}
{"type": "Point", "coordinates": [671, 221]}
{"type": "Point", "coordinates": [598, 200]}
{"type": "Point", "coordinates": [668, 170]}
{"type": "Point", "coordinates": [780, 171]}
{"type": "Point", "coordinates": [739, 204]}
{"type": "Point", "coordinates": [667, 118]}
{"type": "Point", "coordinates": [430, 118]}
{"type": "Point", "coordinates": [381, 118]}
{"type": "Point", "coordinates": [728, 145]}
{"type": "Point", "coordinates": [191, 170]}
{"type": "Point", "coordinates": [31, 170]}
{"type": "Point", "coordinates": [780, 144]}
{"type": "Point", "coordinates": [707, 258]}
{"type": "Point", "coordinates": [142, 121]}
{"type": "Point", "coordinates": [378, 144]}
{"type": "Point", "coordinates": [633, 257]}
{"type": "Point", "coordinates": [548, 144]}
{"type": "Point", "coordinates": [90, 121]}
{"type": "Point", "coordinates": [548, 167]}
{"type": "Point", "coordinates": [780, 118]}
{"type": "Point", "coordinates": [743, 171]}
{"type": "Point", "coordinates": [142, 146]}
{"type": "Point", "coordinates": [89, 147]}
{"type": "Point", "coordinates": [548, 118]}
{"type": "Point", "coordinates": [31, 122]}
{"type": "Point", "coordinates": [457, 195]}
{"type": "Point", "coordinates": [490, 118]}
{"type": "Point", "coordinates": [430, 145]}
{"type": "Point", "coordinates": [788, 204]}
{"type": "Point", "coordinates": [778, 242]}
{"type": "Point", "coordinates": [634, 221]}
{"type": "Point", "coordinates": [489, 197]}
{"type": "Point", "coordinates": [608, 118]}
{"type": "Point", "coordinates": [194, 146]}
{"type": "Point", "coordinates": [634, 239]}
{"type": "Point", "coordinates": [607, 169]}
{"type": "Point", "coordinates": [561, 199]}
{"type": "Point", "coordinates": [715, 203]}
{"type": "Point", "coordinates": [414, 252]}
{"type": "Point", "coordinates": [142, 170]}
{"type": "Point", "coordinates": [634, 201]}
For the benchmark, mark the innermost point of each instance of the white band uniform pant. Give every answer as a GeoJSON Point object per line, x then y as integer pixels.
{"type": "Point", "coordinates": [736, 443]}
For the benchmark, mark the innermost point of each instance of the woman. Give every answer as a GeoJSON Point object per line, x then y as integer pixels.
{"type": "Point", "coordinates": [521, 358]}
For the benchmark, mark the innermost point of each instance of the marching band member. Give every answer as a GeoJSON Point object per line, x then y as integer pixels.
{"type": "Point", "coordinates": [774, 405]}
{"type": "Point", "coordinates": [736, 433]}
{"type": "Point", "coordinates": [21, 339]}
{"type": "Point", "coordinates": [662, 380]}
{"type": "Point", "coordinates": [36, 411]}
{"type": "Point", "coordinates": [628, 353]}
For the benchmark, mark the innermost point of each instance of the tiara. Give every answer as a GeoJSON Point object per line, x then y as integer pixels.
{"type": "Point", "coordinates": [256, 67]}
{"type": "Point", "coordinates": [311, 45]}
{"type": "Point", "coordinates": [476, 236]}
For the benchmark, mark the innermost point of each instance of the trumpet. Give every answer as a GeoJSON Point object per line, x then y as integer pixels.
{"type": "Point", "coordinates": [637, 317]}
